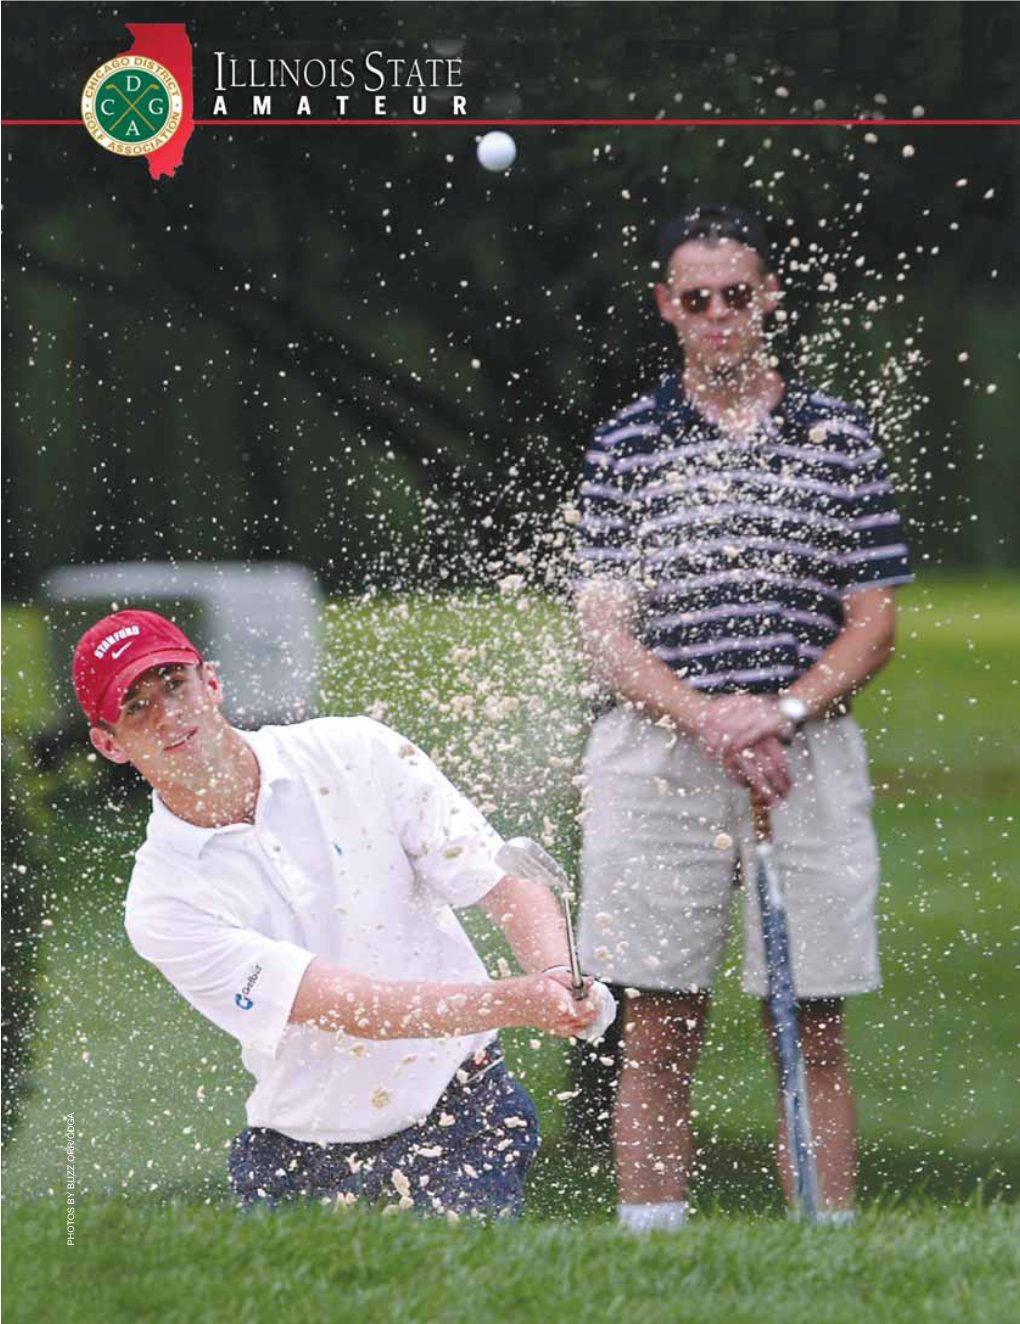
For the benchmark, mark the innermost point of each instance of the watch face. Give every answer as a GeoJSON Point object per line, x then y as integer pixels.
{"type": "Point", "coordinates": [793, 709]}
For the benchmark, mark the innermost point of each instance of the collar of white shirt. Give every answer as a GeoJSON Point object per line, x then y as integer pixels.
{"type": "Point", "coordinates": [188, 837]}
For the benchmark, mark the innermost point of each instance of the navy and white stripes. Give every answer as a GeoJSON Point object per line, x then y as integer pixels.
{"type": "Point", "coordinates": [741, 550]}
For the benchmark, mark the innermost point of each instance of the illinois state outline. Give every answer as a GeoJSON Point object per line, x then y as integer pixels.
{"type": "Point", "coordinates": [169, 45]}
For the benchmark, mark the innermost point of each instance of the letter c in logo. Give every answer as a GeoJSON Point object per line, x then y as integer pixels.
{"type": "Point", "coordinates": [244, 1003]}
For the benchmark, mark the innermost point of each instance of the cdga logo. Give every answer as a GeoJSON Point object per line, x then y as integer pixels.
{"type": "Point", "coordinates": [131, 105]}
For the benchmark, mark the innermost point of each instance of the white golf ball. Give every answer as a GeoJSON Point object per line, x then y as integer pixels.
{"type": "Point", "coordinates": [497, 151]}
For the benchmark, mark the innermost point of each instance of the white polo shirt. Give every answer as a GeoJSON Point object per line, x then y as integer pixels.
{"type": "Point", "coordinates": [359, 849]}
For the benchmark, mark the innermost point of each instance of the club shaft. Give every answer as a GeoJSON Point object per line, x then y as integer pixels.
{"type": "Point", "coordinates": [576, 977]}
{"type": "Point", "coordinates": [527, 859]}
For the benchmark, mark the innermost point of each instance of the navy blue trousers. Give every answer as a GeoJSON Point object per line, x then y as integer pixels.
{"type": "Point", "coordinates": [469, 1157]}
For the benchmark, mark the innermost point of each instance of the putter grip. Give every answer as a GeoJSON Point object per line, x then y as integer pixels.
{"type": "Point", "coordinates": [762, 819]}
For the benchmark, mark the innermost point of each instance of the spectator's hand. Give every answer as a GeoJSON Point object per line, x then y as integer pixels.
{"type": "Point", "coordinates": [740, 721]}
{"type": "Point", "coordinates": [726, 733]}
{"type": "Point", "coordinates": [717, 727]}
{"type": "Point", "coordinates": [762, 768]}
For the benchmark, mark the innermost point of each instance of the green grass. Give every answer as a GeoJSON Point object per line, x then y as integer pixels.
{"type": "Point", "coordinates": [490, 688]}
{"type": "Point", "coordinates": [946, 711]}
{"type": "Point", "coordinates": [192, 1265]}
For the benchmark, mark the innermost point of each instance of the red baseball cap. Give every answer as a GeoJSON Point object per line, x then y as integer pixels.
{"type": "Point", "coordinates": [114, 652]}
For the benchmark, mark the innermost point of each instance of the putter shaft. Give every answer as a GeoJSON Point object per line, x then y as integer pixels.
{"type": "Point", "coordinates": [782, 1001]}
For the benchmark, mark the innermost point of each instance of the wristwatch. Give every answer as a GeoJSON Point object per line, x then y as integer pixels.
{"type": "Point", "coordinates": [793, 709]}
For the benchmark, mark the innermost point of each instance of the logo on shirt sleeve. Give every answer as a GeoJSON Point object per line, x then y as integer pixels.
{"type": "Point", "coordinates": [242, 999]}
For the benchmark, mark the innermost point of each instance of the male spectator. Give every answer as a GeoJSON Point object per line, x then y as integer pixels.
{"type": "Point", "coordinates": [739, 547]}
{"type": "Point", "coordinates": [296, 886]}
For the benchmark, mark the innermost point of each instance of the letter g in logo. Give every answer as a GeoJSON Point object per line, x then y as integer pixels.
{"type": "Point", "coordinates": [244, 1003]}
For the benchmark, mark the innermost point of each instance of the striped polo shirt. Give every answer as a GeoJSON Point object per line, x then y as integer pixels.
{"type": "Point", "coordinates": [741, 550]}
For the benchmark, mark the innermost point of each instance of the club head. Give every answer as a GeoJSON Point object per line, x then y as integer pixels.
{"type": "Point", "coordinates": [525, 858]}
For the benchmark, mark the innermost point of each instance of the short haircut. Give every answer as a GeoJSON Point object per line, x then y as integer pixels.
{"type": "Point", "coordinates": [714, 222]}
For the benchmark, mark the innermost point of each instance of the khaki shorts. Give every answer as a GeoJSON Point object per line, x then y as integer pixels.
{"type": "Point", "coordinates": [669, 835]}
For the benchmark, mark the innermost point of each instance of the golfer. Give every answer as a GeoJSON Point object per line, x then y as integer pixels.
{"type": "Point", "coordinates": [297, 886]}
{"type": "Point", "coordinates": [739, 551]}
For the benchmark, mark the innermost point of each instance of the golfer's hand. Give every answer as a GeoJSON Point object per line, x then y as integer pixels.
{"type": "Point", "coordinates": [606, 1004]}
{"type": "Point", "coordinates": [553, 1007]}
{"type": "Point", "coordinates": [595, 992]}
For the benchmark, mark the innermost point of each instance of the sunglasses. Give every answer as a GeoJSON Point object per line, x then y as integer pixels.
{"type": "Point", "coordinates": [735, 297]}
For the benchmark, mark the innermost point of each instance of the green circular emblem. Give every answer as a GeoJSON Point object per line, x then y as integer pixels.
{"type": "Point", "coordinates": [132, 105]}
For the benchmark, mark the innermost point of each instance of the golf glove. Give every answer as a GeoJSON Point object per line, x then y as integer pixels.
{"type": "Point", "coordinates": [606, 1004]}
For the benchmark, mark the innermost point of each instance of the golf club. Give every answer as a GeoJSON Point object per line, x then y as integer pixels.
{"type": "Point", "coordinates": [783, 1006]}
{"type": "Point", "coordinates": [525, 858]}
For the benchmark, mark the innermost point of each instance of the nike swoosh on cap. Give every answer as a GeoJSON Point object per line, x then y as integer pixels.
{"type": "Point", "coordinates": [117, 651]}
